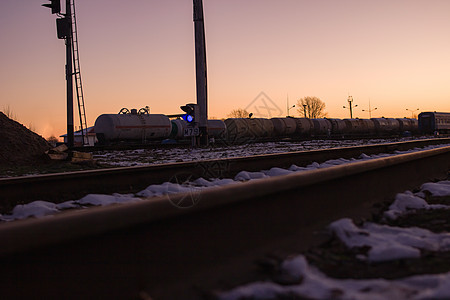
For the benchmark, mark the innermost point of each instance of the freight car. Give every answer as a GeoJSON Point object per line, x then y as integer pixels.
{"type": "Point", "coordinates": [434, 122]}
{"type": "Point", "coordinates": [140, 127]}
{"type": "Point", "coordinates": [131, 127]}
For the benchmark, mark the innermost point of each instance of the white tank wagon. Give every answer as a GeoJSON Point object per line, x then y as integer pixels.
{"type": "Point", "coordinates": [132, 127]}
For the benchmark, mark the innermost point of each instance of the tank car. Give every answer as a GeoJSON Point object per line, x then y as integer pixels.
{"type": "Point", "coordinates": [132, 127]}
{"type": "Point", "coordinates": [322, 127]}
{"type": "Point", "coordinates": [178, 126]}
{"type": "Point", "coordinates": [217, 129]}
{"type": "Point", "coordinates": [410, 125]}
{"type": "Point", "coordinates": [284, 126]}
{"type": "Point", "coordinates": [386, 126]}
{"type": "Point", "coordinates": [360, 127]}
{"type": "Point", "coordinates": [339, 127]}
{"type": "Point", "coordinates": [237, 129]}
{"type": "Point", "coordinates": [304, 127]}
{"type": "Point", "coordinates": [434, 122]}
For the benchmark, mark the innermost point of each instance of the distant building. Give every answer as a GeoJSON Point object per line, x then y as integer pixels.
{"type": "Point", "coordinates": [77, 137]}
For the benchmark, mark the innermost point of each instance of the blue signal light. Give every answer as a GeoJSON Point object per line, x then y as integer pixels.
{"type": "Point", "coordinates": [188, 118]}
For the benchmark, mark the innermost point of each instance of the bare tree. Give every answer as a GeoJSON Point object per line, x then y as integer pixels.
{"type": "Point", "coordinates": [53, 140]}
{"type": "Point", "coordinates": [238, 113]}
{"type": "Point", "coordinates": [311, 107]}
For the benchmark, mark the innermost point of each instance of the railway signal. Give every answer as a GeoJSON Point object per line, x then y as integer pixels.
{"type": "Point", "coordinates": [66, 27]}
{"type": "Point", "coordinates": [55, 5]}
{"type": "Point", "coordinates": [192, 113]}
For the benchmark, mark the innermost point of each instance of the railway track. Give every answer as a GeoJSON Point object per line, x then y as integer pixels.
{"type": "Point", "coordinates": [154, 249]}
{"type": "Point", "coordinates": [74, 185]}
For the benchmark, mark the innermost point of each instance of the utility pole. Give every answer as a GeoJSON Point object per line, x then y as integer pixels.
{"type": "Point", "coordinates": [201, 74]}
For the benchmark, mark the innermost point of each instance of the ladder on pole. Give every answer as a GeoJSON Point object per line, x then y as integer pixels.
{"type": "Point", "coordinates": [78, 82]}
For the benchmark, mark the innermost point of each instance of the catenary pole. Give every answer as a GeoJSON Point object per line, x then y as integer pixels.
{"type": "Point", "coordinates": [201, 74]}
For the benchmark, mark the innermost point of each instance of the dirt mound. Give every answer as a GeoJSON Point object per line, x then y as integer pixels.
{"type": "Point", "coordinates": [19, 145]}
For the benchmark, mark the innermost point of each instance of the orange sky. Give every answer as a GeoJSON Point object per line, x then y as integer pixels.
{"type": "Point", "coordinates": [394, 52]}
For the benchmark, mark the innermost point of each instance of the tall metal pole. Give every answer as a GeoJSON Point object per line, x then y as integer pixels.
{"type": "Point", "coordinates": [69, 77]}
{"type": "Point", "coordinates": [350, 106]}
{"type": "Point", "coordinates": [201, 76]}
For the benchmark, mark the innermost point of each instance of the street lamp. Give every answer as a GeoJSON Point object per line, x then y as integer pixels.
{"type": "Point", "coordinates": [370, 110]}
{"type": "Point", "coordinates": [412, 112]}
{"type": "Point", "coordinates": [289, 108]}
{"type": "Point", "coordinates": [350, 106]}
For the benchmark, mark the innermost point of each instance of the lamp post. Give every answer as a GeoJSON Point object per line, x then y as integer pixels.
{"type": "Point", "coordinates": [369, 111]}
{"type": "Point", "coordinates": [412, 112]}
{"type": "Point", "coordinates": [289, 108]}
{"type": "Point", "coordinates": [350, 106]}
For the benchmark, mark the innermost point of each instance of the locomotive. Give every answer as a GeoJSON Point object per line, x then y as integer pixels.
{"type": "Point", "coordinates": [142, 127]}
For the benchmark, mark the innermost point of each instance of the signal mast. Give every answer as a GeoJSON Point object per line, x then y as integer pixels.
{"type": "Point", "coordinates": [66, 26]}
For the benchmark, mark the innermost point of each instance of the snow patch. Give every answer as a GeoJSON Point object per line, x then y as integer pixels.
{"type": "Point", "coordinates": [313, 284]}
{"type": "Point", "coordinates": [389, 243]}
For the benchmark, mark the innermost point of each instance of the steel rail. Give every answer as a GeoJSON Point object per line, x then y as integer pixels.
{"type": "Point", "coordinates": [74, 185]}
{"type": "Point", "coordinates": [152, 248]}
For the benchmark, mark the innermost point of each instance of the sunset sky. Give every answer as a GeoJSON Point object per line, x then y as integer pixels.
{"type": "Point", "coordinates": [395, 53]}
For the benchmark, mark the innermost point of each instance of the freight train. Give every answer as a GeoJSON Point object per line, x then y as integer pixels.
{"type": "Point", "coordinates": [141, 127]}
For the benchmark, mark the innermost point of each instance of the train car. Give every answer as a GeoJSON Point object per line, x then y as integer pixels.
{"type": "Point", "coordinates": [408, 125]}
{"type": "Point", "coordinates": [339, 127]}
{"type": "Point", "coordinates": [284, 126]}
{"type": "Point", "coordinates": [322, 127]}
{"type": "Point", "coordinates": [260, 127]}
{"type": "Point", "coordinates": [434, 122]}
{"type": "Point", "coordinates": [386, 126]}
{"type": "Point", "coordinates": [217, 129]}
{"type": "Point", "coordinates": [178, 126]}
{"type": "Point", "coordinates": [304, 127]}
{"type": "Point", "coordinates": [237, 128]}
{"type": "Point", "coordinates": [132, 126]}
{"type": "Point", "coordinates": [360, 127]}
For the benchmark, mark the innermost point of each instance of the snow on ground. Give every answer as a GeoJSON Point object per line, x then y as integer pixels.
{"type": "Point", "coordinates": [389, 243]}
{"type": "Point", "coordinates": [313, 284]}
{"type": "Point", "coordinates": [42, 208]}
{"type": "Point", "coordinates": [407, 202]}
{"type": "Point", "coordinates": [141, 157]}
{"type": "Point", "coordinates": [385, 243]}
